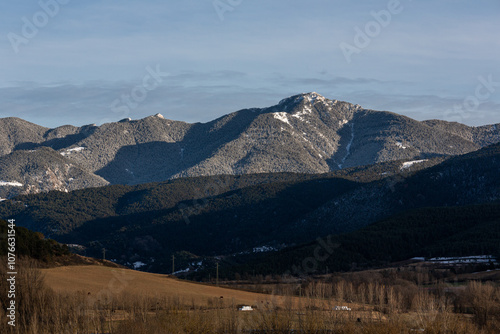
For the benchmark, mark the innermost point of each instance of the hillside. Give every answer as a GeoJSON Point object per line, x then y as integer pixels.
{"type": "Point", "coordinates": [95, 281]}
{"type": "Point", "coordinates": [30, 244]}
{"type": "Point", "coordinates": [462, 180]}
{"type": "Point", "coordinates": [426, 232]}
{"type": "Point", "coordinates": [17, 132]}
{"type": "Point", "coordinates": [306, 133]}
{"type": "Point", "coordinates": [59, 213]}
{"type": "Point", "coordinates": [45, 252]}
{"type": "Point", "coordinates": [209, 216]}
{"type": "Point", "coordinates": [42, 170]}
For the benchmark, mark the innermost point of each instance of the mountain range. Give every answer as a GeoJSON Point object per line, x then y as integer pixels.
{"type": "Point", "coordinates": [306, 133]}
{"type": "Point", "coordinates": [256, 181]}
{"type": "Point", "coordinates": [214, 216]}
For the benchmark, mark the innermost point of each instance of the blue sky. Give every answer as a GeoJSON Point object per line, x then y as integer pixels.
{"type": "Point", "coordinates": [427, 59]}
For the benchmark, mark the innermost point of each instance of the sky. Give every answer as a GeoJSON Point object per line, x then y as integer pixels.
{"type": "Point", "coordinates": [83, 62]}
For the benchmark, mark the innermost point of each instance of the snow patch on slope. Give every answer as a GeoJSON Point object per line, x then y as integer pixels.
{"type": "Point", "coordinates": [72, 150]}
{"type": "Point", "coordinates": [281, 116]}
{"type": "Point", "coordinates": [312, 97]}
{"type": "Point", "coordinates": [408, 164]}
{"type": "Point", "coordinates": [181, 271]}
{"type": "Point", "coordinates": [306, 111]}
{"type": "Point", "coordinates": [263, 249]}
{"type": "Point", "coordinates": [138, 264]}
{"type": "Point", "coordinates": [10, 184]}
{"type": "Point", "coordinates": [348, 147]}
{"type": "Point", "coordinates": [400, 145]}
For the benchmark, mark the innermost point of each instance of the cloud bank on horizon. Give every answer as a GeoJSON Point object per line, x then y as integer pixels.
{"type": "Point", "coordinates": [69, 62]}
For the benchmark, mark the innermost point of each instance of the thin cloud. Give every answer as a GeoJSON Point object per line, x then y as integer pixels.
{"type": "Point", "coordinates": [93, 52]}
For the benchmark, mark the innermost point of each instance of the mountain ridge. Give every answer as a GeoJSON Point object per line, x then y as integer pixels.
{"type": "Point", "coordinates": [239, 213]}
{"type": "Point", "coordinates": [304, 133]}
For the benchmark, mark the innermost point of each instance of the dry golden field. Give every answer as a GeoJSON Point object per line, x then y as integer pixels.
{"type": "Point", "coordinates": [105, 281]}
{"type": "Point", "coordinates": [99, 299]}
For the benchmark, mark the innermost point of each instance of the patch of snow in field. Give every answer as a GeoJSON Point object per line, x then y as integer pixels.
{"type": "Point", "coordinates": [72, 150]}
{"type": "Point", "coordinates": [138, 264]}
{"type": "Point", "coordinates": [408, 164]}
{"type": "Point", "coordinates": [2, 199]}
{"type": "Point", "coordinates": [11, 184]}
{"type": "Point", "coordinates": [281, 116]}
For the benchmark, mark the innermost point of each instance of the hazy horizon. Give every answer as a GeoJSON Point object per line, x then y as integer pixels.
{"type": "Point", "coordinates": [68, 62]}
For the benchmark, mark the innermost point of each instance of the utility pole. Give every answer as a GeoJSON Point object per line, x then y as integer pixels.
{"type": "Point", "coordinates": [173, 264]}
{"type": "Point", "coordinates": [217, 277]}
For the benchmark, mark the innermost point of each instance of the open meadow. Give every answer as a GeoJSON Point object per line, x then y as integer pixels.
{"type": "Point", "coordinates": [99, 299]}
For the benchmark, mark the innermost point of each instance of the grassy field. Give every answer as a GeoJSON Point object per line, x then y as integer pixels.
{"type": "Point", "coordinates": [103, 282]}
{"type": "Point", "coordinates": [100, 299]}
